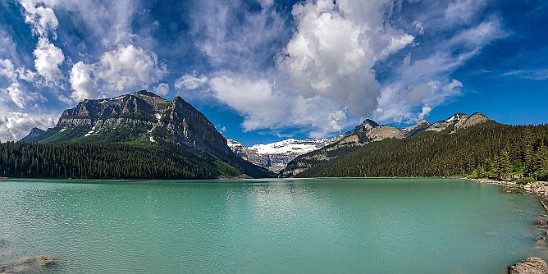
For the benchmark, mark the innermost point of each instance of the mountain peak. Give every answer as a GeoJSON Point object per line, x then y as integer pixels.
{"type": "Point", "coordinates": [457, 116]}
{"type": "Point", "coordinates": [369, 122]}
{"type": "Point", "coordinates": [145, 93]}
{"type": "Point", "coordinates": [34, 133]}
{"type": "Point", "coordinates": [419, 126]}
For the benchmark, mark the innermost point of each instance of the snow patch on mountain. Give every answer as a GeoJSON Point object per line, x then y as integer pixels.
{"type": "Point", "coordinates": [291, 146]}
{"type": "Point", "coordinates": [275, 156]}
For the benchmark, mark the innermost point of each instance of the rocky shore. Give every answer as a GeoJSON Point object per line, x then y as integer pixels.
{"type": "Point", "coordinates": [28, 265]}
{"type": "Point", "coordinates": [539, 188]}
{"type": "Point", "coordinates": [532, 265]}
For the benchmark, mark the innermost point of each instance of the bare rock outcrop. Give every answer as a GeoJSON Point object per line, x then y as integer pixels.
{"type": "Point", "coordinates": [531, 265]}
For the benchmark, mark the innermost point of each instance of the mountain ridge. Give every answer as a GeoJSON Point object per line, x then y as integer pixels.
{"type": "Point", "coordinates": [275, 156]}
{"type": "Point", "coordinates": [370, 131]}
{"type": "Point", "coordinates": [145, 119]}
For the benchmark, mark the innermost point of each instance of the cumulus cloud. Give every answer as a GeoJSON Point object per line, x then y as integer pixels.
{"type": "Point", "coordinates": [424, 112]}
{"type": "Point", "coordinates": [82, 83]}
{"type": "Point", "coordinates": [191, 81]}
{"type": "Point", "coordinates": [334, 49]}
{"type": "Point", "coordinates": [48, 59]}
{"type": "Point", "coordinates": [16, 95]}
{"type": "Point", "coordinates": [162, 89]}
{"type": "Point", "coordinates": [328, 61]}
{"type": "Point", "coordinates": [127, 67]}
{"type": "Point", "coordinates": [264, 107]}
{"type": "Point", "coordinates": [40, 16]}
{"type": "Point", "coordinates": [130, 66]}
{"type": "Point", "coordinates": [16, 125]}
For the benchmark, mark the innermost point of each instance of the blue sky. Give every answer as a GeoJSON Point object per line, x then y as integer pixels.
{"type": "Point", "coordinates": [265, 70]}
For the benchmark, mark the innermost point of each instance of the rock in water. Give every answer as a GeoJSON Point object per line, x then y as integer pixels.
{"type": "Point", "coordinates": [531, 265]}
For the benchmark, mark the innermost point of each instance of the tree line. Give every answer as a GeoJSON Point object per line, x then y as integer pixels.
{"type": "Point", "coordinates": [485, 150]}
{"type": "Point", "coordinates": [102, 160]}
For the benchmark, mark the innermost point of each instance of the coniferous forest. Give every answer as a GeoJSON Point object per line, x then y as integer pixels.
{"type": "Point", "coordinates": [485, 150]}
{"type": "Point", "coordinates": [101, 160]}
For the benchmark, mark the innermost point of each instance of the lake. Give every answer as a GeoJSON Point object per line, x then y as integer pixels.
{"type": "Point", "coordinates": [267, 226]}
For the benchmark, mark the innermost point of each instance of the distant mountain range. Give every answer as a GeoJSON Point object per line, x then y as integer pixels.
{"type": "Point", "coordinates": [141, 135]}
{"type": "Point", "coordinates": [461, 145]}
{"type": "Point", "coordinates": [370, 131]}
{"type": "Point", "coordinates": [275, 156]}
{"type": "Point", "coordinates": [143, 120]}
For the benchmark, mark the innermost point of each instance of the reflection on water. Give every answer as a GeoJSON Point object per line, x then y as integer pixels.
{"type": "Point", "coordinates": [295, 226]}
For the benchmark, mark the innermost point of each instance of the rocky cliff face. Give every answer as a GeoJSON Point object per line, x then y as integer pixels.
{"type": "Point", "coordinates": [141, 117]}
{"type": "Point", "coordinates": [147, 119]}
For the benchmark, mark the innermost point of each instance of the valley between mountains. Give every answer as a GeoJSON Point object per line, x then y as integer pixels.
{"type": "Point", "coordinates": [141, 135]}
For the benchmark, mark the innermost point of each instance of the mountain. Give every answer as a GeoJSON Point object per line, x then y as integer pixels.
{"type": "Point", "coordinates": [145, 120]}
{"type": "Point", "coordinates": [370, 131]}
{"type": "Point", "coordinates": [275, 156]}
{"type": "Point", "coordinates": [34, 133]}
{"type": "Point", "coordinates": [475, 150]}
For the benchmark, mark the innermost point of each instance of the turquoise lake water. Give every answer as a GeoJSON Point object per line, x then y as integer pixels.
{"type": "Point", "coordinates": [270, 226]}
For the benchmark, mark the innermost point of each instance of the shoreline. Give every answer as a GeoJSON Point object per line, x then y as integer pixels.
{"type": "Point", "coordinates": [540, 189]}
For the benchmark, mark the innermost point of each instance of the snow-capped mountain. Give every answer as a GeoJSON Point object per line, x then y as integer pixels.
{"type": "Point", "coordinates": [291, 146]}
{"type": "Point", "coordinates": [275, 156]}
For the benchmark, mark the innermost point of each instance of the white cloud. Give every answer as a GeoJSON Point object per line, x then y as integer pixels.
{"type": "Point", "coordinates": [7, 46]}
{"type": "Point", "coordinates": [108, 22]}
{"type": "Point", "coordinates": [191, 81]}
{"type": "Point", "coordinates": [335, 119]}
{"type": "Point", "coordinates": [82, 83]}
{"type": "Point", "coordinates": [7, 70]}
{"type": "Point", "coordinates": [16, 125]}
{"type": "Point", "coordinates": [117, 71]}
{"type": "Point", "coordinates": [334, 49]}
{"type": "Point", "coordinates": [424, 112]}
{"type": "Point", "coordinates": [48, 58]}
{"type": "Point", "coordinates": [40, 15]}
{"type": "Point", "coordinates": [265, 4]}
{"type": "Point", "coordinates": [235, 37]}
{"type": "Point", "coordinates": [323, 74]}
{"type": "Point", "coordinates": [129, 67]}
{"type": "Point", "coordinates": [25, 74]}
{"type": "Point", "coordinates": [162, 89]}
{"type": "Point", "coordinates": [16, 94]}
{"type": "Point", "coordinates": [461, 11]}
{"type": "Point", "coordinates": [530, 74]}
{"type": "Point", "coordinates": [426, 81]}
{"type": "Point", "coordinates": [263, 107]}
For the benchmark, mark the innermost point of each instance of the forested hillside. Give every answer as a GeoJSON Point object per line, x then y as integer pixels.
{"type": "Point", "coordinates": [136, 135]}
{"type": "Point", "coordinates": [101, 160]}
{"type": "Point", "coordinates": [488, 149]}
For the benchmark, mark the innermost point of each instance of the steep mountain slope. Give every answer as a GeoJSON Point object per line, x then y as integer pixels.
{"type": "Point", "coordinates": [485, 149]}
{"type": "Point", "coordinates": [275, 156]}
{"type": "Point", "coordinates": [369, 132]}
{"type": "Point", "coordinates": [145, 119]}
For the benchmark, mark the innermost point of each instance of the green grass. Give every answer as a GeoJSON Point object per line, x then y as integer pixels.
{"type": "Point", "coordinates": [226, 169]}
